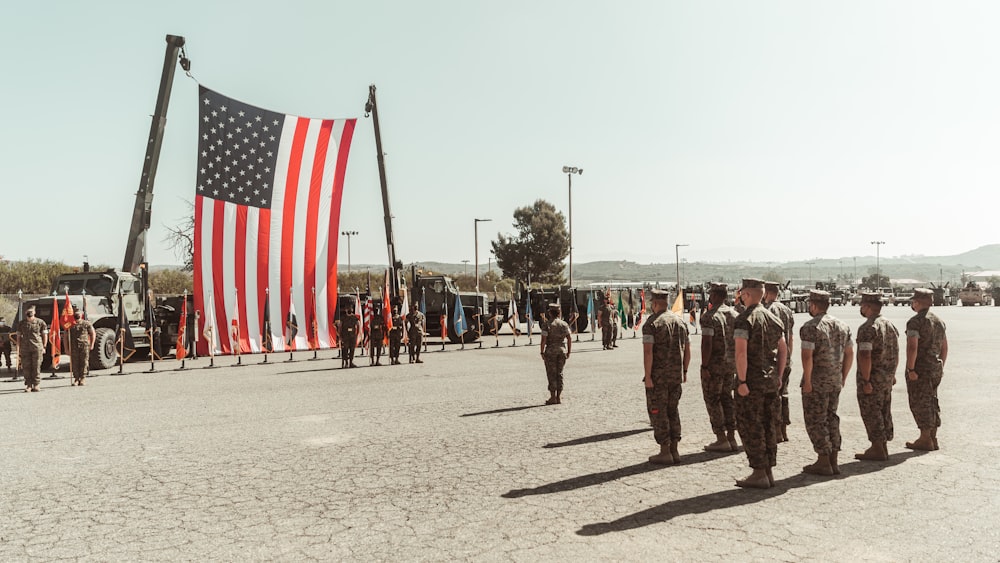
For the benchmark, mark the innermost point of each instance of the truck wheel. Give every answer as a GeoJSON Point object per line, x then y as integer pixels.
{"type": "Point", "coordinates": [105, 354]}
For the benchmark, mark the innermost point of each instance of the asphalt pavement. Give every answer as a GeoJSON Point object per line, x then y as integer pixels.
{"type": "Point", "coordinates": [457, 459]}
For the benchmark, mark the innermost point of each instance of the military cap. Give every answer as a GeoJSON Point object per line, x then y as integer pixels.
{"type": "Point", "coordinates": [660, 294]}
{"type": "Point", "coordinates": [871, 298]}
{"type": "Point", "coordinates": [555, 307]}
{"type": "Point", "coordinates": [819, 295]}
{"type": "Point", "coordinates": [772, 286]}
{"type": "Point", "coordinates": [752, 283]}
{"type": "Point", "coordinates": [718, 288]}
{"type": "Point", "coordinates": [922, 292]}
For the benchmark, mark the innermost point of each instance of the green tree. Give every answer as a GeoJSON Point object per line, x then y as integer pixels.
{"type": "Point", "coordinates": [536, 252]}
{"type": "Point", "coordinates": [872, 282]}
{"type": "Point", "coordinates": [30, 276]}
{"type": "Point", "coordinates": [171, 282]}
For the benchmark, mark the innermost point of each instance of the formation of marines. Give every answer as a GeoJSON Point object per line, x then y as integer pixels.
{"type": "Point", "coordinates": [745, 373]}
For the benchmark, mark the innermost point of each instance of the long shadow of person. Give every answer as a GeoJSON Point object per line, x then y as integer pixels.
{"type": "Point", "coordinates": [498, 411]}
{"type": "Point", "coordinates": [731, 497]}
{"type": "Point", "coordinates": [597, 438]}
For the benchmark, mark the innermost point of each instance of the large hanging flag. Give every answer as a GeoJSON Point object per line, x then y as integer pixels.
{"type": "Point", "coordinates": [180, 348]}
{"type": "Point", "coordinates": [67, 320]}
{"type": "Point", "coordinates": [267, 211]}
{"type": "Point", "coordinates": [459, 321]}
{"type": "Point", "coordinates": [55, 338]}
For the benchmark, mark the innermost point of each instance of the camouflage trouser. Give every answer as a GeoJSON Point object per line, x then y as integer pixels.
{"type": "Point", "coordinates": [924, 400]}
{"type": "Point", "coordinates": [661, 403]}
{"type": "Point", "coordinates": [347, 350]}
{"type": "Point", "coordinates": [79, 359]}
{"type": "Point", "coordinates": [31, 363]}
{"type": "Point", "coordinates": [755, 422]}
{"type": "Point", "coordinates": [876, 413]}
{"type": "Point", "coordinates": [606, 332]}
{"type": "Point", "coordinates": [819, 409]}
{"type": "Point", "coordinates": [554, 370]}
{"type": "Point", "coordinates": [718, 393]}
{"type": "Point", "coordinates": [394, 343]}
{"type": "Point", "coordinates": [414, 346]}
{"type": "Point", "coordinates": [785, 414]}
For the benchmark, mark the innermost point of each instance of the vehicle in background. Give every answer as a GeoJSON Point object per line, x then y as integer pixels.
{"type": "Point", "coordinates": [972, 294]}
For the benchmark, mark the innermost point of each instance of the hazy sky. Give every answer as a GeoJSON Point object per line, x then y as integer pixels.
{"type": "Point", "coordinates": [750, 130]}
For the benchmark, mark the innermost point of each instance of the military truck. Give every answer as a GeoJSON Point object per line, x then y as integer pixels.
{"type": "Point", "coordinates": [100, 290]}
{"type": "Point", "coordinates": [972, 295]}
{"type": "Point", "coordinates": [438, 294]}
{"type": "Point", "coordinates": [943, 295]}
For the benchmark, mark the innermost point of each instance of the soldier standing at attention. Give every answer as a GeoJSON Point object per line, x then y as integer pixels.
{"type": "Point", "coordinates": [81, 340]}
{"type": "Point", "coordinates": [395, 336]}
{"type": "Point", "coordinates": [607, 328]}
{"type": "Point", "coordinates": [375, 339]}
{"type": "Point", "coordinates": [556, 344]}
{"type": "Point", "coordinates": [718, 368]}
{"type": "Point", "coordinates": [5, 341]}
{"type": "Point", "coordinates": [878, 358]}
{"type": "Point", "coordinates": [415, 333]}
{"type": "Point", "coordinates": [760, 361]}
{"type": "Point", "coordinates": [926, 354]}
{"type": "Point", "coordinates": [787, 318]}
{"type": "Point", "coordinates": [665, 358]}
{"type": "Point", "coordinates": [32, 333]}
{"type": "Point", "coordinates": [348, 339]}
{"type": "Point", "coordinates": [827, 357]}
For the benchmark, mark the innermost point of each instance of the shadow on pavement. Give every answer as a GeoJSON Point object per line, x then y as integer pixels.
{"type": "Point", "coordinates": [733, 497]}
{"type": "Point", "coordinates": [597, 438]}
{"type": "Point", "coordinates": [585, 480]}
{"type": "Point", "coordinates": [498, 411]}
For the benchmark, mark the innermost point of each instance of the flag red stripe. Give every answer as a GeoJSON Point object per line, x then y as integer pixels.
{"type": "Point", "coordinates": [218, 282]}
{"type": "Point", "coordinates": [263, 260]}
{"type": "Point", "coordinates": [338, 194]}
{"type": "Point", "coordinates": [288, 213]}
{"type": "Point", "coordinates": [198, 293]}
{"type": "Point", "coordinates": [241, 269]}
{"type": "Point", "coordinates": [312, 213]}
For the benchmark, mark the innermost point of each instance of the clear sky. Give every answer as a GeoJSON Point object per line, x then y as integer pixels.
{"type": "Point", "coordinates": [765, 131]}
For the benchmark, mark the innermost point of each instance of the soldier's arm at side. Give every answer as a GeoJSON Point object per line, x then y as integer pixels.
{"type": "Point", "coordinates": [647, 364]}
{"type": "Point", "coordinates": [706, 351]}
{"type": "Point", "coordinates": [807, 368]}
{"type": "Point", "coordinates": [741, 365]}
{"type": "Point", "coordinates": [911, 356]}
{"type": "Point", "coordinates": [944, 350]}
{"type": "Point", "coordinates": [569, 344]}
{"type": "Point", "coordinates": [687, 361]}
{"type": "Point", "coordinates": [92, 336]}
{"type": "Point", "coordinates": [848, 361]}
{"type": "Point", "coordinates": [782, 355]}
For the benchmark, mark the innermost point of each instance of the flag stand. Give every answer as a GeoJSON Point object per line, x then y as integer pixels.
{"type": "Point", "coordinates": [182, 368]}
{"type": "Point", "coordinates": [315, 352]}
{"type": "Point", "coordinates": [290, 358]}
{"type": "Point", "coordinates": [265, 358]}
{"type": "Point", "coordinates": [121, 350]}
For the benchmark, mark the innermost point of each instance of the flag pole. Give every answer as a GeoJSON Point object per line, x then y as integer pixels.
{"type": "Point", "coordinates": [235, 331]}
{"type": "Point", "coordinates": [267, 326]}
{"type": "Point", "coordinates": [179, 327]}
{"type": "Point", "coordinates": [314, 327]}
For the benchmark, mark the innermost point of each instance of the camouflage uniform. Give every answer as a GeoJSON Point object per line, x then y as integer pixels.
{"type": "Point", "coordinates": [376, 336]}
{"type": "Point", "coordinates": [717, 390]}
{"type": "Point", "coordinates": [606, 312]}
{"type": "Point", "coordinates": [755, 412]}
{"type": "Point", "coordinates": [395, 337]}
{"type": "Point", "coordinates": [828, 338]}
{"type": "Point", "coordinates": [669, 336]}
{"type": "Point", "coordinates": [555, 333]}
{"type": "Point", "coordinates": [31, 346]}
{"type": "Point", "coordinates": [929, 331]}
{"type": "Point", "coordinates": [787, 318]}
{"type": "Point", "coordinates": [5, 342]}
{"type": "Point", "coordinates": [415, 334]}
{"type": "Point", "coordinates": [878, 336]}
{"type": "Point", "coordinates": [348, 338]}
{"type": "Point", "coordinates": [79, 346]}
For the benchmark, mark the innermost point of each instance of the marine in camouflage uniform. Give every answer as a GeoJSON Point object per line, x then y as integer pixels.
{"type": "Point", "coordinates": [349, 324]}
{"type": "Point", "coordinates": [5, 343]}
{"type": "Point", "coordinates": [878, 358]}
{"type": "Point", "coordinates": [718, 368]}
{"type": "Point", "coordinates": [787, 318]}
{"type": "Point", "coordinates": [415, 333]}
{"type": "Point", "coordinates": [926, 354]}
{"type": "Point", "coordinates": [32, 333]}
{"type": "Point", "coordinates": [827, 356]}
{"type": "Point", "coordinates": [81, 341]}
{"type": "Point", "coordinates": [605, 315]}
{"type": "Point", "coordinates": [395, 336]}
{"type": "Point", "coordinates": [376, 337]}
{"type": "Point", "coordinates": [556, 344]}
{"type": "Point", "coordinates": [666, 354]}
{"type": "Point", "coordinates": [760, 360]}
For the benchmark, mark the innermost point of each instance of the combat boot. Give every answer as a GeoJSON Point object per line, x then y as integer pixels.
{"type": "Point", "coordinates": [784, 432]}
{"type": "Point", "coordinates": [877, 452]}
{"type": "Point", "coordinates": [756, 480]}
{"type": "Point", "coordinates": [665, 457]}
{"type": "Point", "coordinates": [934, 437]}
{"type": "Point", "coordinates": [923, 443]}
{"type": "Point", "coordinates": [833, 462]}
{"type": "Point", "coordinates": [673, 451]}
{"type": "Point", "coordinates": [721, 444]}
{"type": "Point", "coordinates": [821, 467]}
{"type": "Point", "coordinates": [552, 398]}
{"type": "Point", "coordinates": [734, 446]}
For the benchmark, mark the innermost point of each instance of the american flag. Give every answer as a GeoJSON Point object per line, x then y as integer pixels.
{"type": "Point", "coordinates": [267, 209]}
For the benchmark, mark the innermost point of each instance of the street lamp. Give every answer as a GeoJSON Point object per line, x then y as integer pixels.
{"type": "Point", "coordinates": [677, 263]}
{"type": "Point", "coordinates": [878, 272]}
{"type": "Point", "coordinates": [466, 262]}
{"type": "Point", "coordinates": [348, 234]}
{"type": "Point", "coordinates": [569, 171]}
{"type": "Point", "coordinates": [475, 228]}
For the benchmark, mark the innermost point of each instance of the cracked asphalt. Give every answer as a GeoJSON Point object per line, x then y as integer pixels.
{"type": "Point", "coordinates": [457, 459]}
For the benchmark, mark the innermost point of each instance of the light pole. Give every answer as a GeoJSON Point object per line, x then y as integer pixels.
{"type": "Point", "coordinates": [677, 263]}
{"type": "Point", "coordinates": [349, 234]}
{"type": "Point", "coordinates": [878, 272]}
{"type": "Point", "coordinates": [475, 228]}
{"type": "Point", "coordinates": [466, 262]}
{"type": "Point", "coordinates": [569, 171]}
